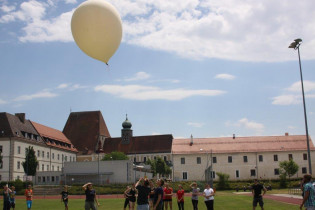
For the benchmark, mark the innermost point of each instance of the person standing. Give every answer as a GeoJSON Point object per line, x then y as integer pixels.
{"type": "Point", "coordinates": [143, 187]}
{"type": "Point", "coordinates": [309, 193]}
{"type": "Point", "coordinates": [180, 197]}
{"type": "Point", "coordinates": [90, 196]}
{"type": "Point", "coordinates": [158, 196]}
{"type": "Point", "coordinates": [6, 197]}
{"type": "Point", "coordinates": [29, 197]}
{"type": "Point", "coordinates": [208, 194]}
{"type": "Point", "coordinates": [12, 197]}
{"type": "Point", "coordinates": [194, 195]}
{"type": "Point", "coordinates": [64, 196]}
{"type": "Point", "coordinates": [167, 197]}
{"type": "Point", "coordinates": [131, 193]}
{"type": "Point", "coordinates": [257, 196]}
{"type": "Point", "coordinates": [126, 196]}
{"type": "Point", "coordinates": [151, 196]}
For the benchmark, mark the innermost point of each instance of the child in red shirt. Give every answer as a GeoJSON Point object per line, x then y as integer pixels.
{"type": "Point", "coordinates": [180, 197]}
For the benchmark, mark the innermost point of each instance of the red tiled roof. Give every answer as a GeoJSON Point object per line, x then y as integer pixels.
{"type": "Point", "coordinates": [54, 134]}
{"type": "Point", "coordinates": [140, 144]}
{"type": "Point", "coordinates": [241, 144]}
{"type": "Point", "coordinates": [84, 129]}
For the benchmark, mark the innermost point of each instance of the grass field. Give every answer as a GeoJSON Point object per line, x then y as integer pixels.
{"type": "Point", "coordinates": [223, 201]}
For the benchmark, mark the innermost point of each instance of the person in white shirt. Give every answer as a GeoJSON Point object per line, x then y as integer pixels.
{"type": "Point", "coordinates": [208, 194]}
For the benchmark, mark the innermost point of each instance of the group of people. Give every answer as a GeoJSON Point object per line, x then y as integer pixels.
{"type": "Point", "coordinates": [9, 197]}
{"type": "Point", "coordinates": [160, 197]}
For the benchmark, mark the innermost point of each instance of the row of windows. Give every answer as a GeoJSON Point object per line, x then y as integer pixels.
{"type": "Point", "coordinates": [145, 159]}
{"type": "Point", "coordinates": [245, 158]}
{"type": "Point", "coordinates": [43, 179]}
{"type": "Point", "coordinates": [42, 154]}
{"type": "Point", "coordinates": [19, 166]}
{"type": "Point", "coordinates": [237, 173]}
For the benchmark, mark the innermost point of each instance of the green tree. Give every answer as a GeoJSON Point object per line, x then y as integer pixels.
{"type": "Point", "coordinates": [115, 156]}
{"type": "Point", "coordinates": [30, 164]}
{"type": "Point", "coordinates": [287, 168]}
{"type": "Point", "coordinates": [223, 182]}
{"type": "Point", "coordinates": [159, 166]}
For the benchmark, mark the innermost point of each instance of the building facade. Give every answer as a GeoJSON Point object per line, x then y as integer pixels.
{"type": "Point", "coordinates": [241, 158]}
{"type": "Point", "coordinates": [51, 147]}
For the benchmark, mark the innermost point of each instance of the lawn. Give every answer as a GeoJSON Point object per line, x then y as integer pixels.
{"type": "Point", "coordinates": [223, 201]}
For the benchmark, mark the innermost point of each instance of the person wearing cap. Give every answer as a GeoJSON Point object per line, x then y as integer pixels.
{"type": "Point", "coordinates": [90, 196]}
{"type": "Point", "coordinates": [257, 196]}
{"type": "Point", "coordinates": [309, 193]}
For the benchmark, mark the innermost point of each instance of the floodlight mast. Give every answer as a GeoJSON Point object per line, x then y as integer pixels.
{"type": "Point", "coordinates": [296, 46]}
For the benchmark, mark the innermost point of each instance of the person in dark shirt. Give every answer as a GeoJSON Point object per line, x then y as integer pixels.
{"type": "Point", "coordinates": [131, 193]}
{"type": "Point", "coordinates": [90, 196]}
{"type": "Point", "coordinates": [143, 187]}
{"type": "Point", "coordinates": [64, 196]}
{"type": "Point", "coordinates": [126, 196]}
{"type": "Point", "coordinates": [158, 196]}
{"type": "Point", "coordinates": [6, 198]}
{"type": "Point", "coordinates": [257, 196]}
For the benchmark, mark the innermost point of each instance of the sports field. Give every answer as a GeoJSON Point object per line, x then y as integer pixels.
{"type": "Point", "coordinates": [223, 201]}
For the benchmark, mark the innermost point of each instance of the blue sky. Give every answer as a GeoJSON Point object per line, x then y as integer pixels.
{"type": "Point", "coordinates": [206, 68]}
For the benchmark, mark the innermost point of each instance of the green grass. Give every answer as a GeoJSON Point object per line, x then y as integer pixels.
{"type": "Point", "coordinates": [223, 201]}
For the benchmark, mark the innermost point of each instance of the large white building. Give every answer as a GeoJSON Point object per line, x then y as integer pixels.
{"type": "Point", "coordinates": [52, 147]}
{"type": "Point", "coordinates": [239, 157]}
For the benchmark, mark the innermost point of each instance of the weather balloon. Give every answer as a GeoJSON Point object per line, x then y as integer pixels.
{"type": "Point", "coordinates": [96, 28]}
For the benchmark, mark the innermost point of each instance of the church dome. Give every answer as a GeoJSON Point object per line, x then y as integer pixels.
{"type": "Point", "coordinates": [126, 124]}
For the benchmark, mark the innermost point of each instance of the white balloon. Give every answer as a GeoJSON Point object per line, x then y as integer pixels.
{"type": "Point", "coordinates": [97, 29]}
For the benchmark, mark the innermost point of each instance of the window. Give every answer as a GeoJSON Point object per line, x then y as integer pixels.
{"type": "Point", "coordinates": [0, 148]}
{"type": "Point", "coordinates": [43, 167]}
{"type": "Point", "coordinates": [53, 155]}
{"type": "Point", "coordinates": [43, 154]}
{"type": "Point", "coordinates": [19, 150]}
{"type": "Point", "coordinates": [144, 159]}
{"type": "Point", "coordinates": [214, 159]}
{"type": "Point", "coordinates": [47, 167]}
{"type": "Point", "coordinates": [275, 158]}
{"type": "Point", "coordinates": [134, 159]}
{"type": "Point", "coordinates": [48, 155]}
{"type": "Point", "coordinates": [52, 179]}
{"type": "Point", "coordinates": [198, 160]}
{"type": "Point", "coordinates": [0, 177]}
{"type": "Point", "coordinates": [39, 179]}
{"type": "Point", "coordinates": [62, 158]}
{"type": "Point", "coordinates": [44, 179]}
{"type": "Point", "coordinates": [245, 159]}
{"type": "Point", "coordinates": [290, 157]}
{"type": "Point", "coordinates": [18, 165]}
{"type": "Point", "coordinates": [70, 159]}
{"type": "Point", "coordinates": [154, 158]}
{"type": "Point", "coordinates": [165, 158]}
{"type": "Point", "coordinates": [261, 158]}
{"type": "Point", "coordinates": [25, 151]}
{"type": "Point", "coordinates": [212, 174]}
{"type": "Point", "coordinates": [18, 177]}
{"type": "Point", "coordinates": [304, 156]}
{"type": "Point", "coordinates": [57, 178]}
{"type": "Point", "coordinates": [182, 160]}
{"type": "Point", "coordinates": [230, 159]}
{"type": "Point", "coordinates": [185, 177]}
{"type": "Point", "coordinates": [57, 168]}
{"type": "Point", "coordinates": [48, 178]}
{"type": "Point", "coordinates": [237, 173]}
{"type": "Point", "coordinates": [252, 172]}
{"type": "Point", "coordinates": [58, 156]}
{"type": "Point", "coordinates": [66, 158]}
{"type": "Point", "coordinates": [304, 170]}
{"type": "Point", "coordinates": [277, 172]}
{"type": "Point", "coordinates": [52, 168]}
{"type": "Point", "coordinates": [38, 153]}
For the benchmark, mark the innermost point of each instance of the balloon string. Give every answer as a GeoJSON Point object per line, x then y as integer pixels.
{"type": "Point", "coordinates": [107, 67]}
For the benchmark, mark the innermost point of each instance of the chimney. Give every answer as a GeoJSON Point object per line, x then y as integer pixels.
{"type": "Point", "coordinates": [233, 136]}
{"type": "Point", "coordinates": [191, 140]}
{"type": "Point", "coordinates": [21, 116]}
{"type": "Point", "coordinates": [286, 134]}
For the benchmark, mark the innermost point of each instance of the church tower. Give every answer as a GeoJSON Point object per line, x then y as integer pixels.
{"type": "Point", "coordinates": [126, 132]}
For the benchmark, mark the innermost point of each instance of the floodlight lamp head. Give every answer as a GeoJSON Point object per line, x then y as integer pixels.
{"type": "Point", "coordinates": [293, 45]}
{"type": "Point", "coordinates": [298, 40]}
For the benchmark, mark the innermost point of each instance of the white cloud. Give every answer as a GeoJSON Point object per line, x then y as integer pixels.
{"type": "Point", "coordinates": [139, 76]}
{"type": "Point", "coordinates": [42, 94]}
{"type": "Point", "coordinates": [195, 124]}
{"type": "Point", "coordinates": [225, 76]}
{"type": "Point", "coordinates": [77, 86]}
{"type": "Point", "coordinates": [138, 92]}
{"type": "Point", "coordinates": [296, 87]}
{"type": "Point", "coordinates": [63, 86]}
{"type": "Point", "coordinates": [250, 125]}
{"type": "Point", "coordinates": [71, 1]}
{"type": "Point", "coordinates": [286, 100]}
{"type": "Point", "coordinates": [7, 9]}
{"type": "Point", "coordinates": [3, 101]}
{"type": "Point", "coordinates": [236, 30]}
